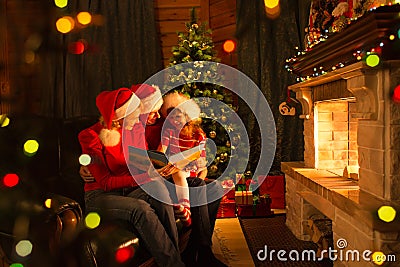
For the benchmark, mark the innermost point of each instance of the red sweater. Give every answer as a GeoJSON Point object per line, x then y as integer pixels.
{"type": "Point", "coordinates": [108, 165]}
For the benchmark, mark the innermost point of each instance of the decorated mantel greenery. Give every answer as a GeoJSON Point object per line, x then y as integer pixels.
{"type": "Point", "coordinates": [342, 32]}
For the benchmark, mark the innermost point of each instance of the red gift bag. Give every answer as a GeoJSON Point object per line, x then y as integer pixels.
{"type": "Point", "coordinates": [274, 186]}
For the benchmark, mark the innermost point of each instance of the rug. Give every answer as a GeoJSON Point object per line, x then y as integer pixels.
{"type": "Point", "coordinates": [229, 243]}
{"type": "Point", "coordinates": [267, 234]}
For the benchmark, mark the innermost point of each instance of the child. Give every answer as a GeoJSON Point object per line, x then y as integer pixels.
{"type": "Point", "coordinates": [182, 131]}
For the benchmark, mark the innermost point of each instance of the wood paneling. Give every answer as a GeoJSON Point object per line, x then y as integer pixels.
{"type": "Point", "coordinates": [180, 14]}
{"type": "Point", "coordinates": [220, 16]}
{"type": "Point", "coordinates": [222, 7]}
{"type": "Point", "coordinates": [173, 26]}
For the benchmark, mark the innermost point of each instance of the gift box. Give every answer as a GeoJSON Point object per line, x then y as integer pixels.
{"type": "Point", "coordinates": [227, 209]}
{"type": "Point", "coordinates": [244, 197]}
{"type": "Point", "coordinates": [229, 189]}
{"type": "Point", "coordinates": [255, 210]}
{"type": "Point", "coordinates": [274, 186]}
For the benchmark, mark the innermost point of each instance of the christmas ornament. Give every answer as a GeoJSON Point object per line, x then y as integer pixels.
{"type": "Point", "coordinates": [228, 143]}
{"type": "Point", "coordinates": [213, 134]}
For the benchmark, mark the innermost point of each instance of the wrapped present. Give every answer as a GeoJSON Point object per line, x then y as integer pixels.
{"type": "Point", "coordinates": [244, 197]}
{"type": "Point", "coordinates": [255, 210]}
{"type": "Point", "coordinates": [239, 178]}
{"type": "Point", "coordinates": [227, 209]}
{"type": "Point", "coordinates": [229, 189]}
{"type": "Point", "coordinates": [274, 186]}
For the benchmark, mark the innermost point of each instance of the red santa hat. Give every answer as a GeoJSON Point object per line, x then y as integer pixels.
{"type": "Point", "coordinates": [149, 95]}
{"type": "Point", "coordinates": [181, 102]}
{"type": "Point", "coordinates": [115, 105]}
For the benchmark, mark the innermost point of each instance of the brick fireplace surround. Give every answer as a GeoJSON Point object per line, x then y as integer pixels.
{"type": "Point", "coordinates": [350, 122]}
{"type": "Point", "coordinates": [351, 133]}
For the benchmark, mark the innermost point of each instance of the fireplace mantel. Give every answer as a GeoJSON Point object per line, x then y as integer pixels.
{"type": "Point", "coordinates": [349, 111]}
{"type": "Point", "coordinates": [365, 33]}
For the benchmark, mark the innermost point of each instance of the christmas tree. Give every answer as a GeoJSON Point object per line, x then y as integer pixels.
{"type": "Point", "coordinates": [196, 45]}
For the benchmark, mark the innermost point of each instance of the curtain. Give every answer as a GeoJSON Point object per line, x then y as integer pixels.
{"type": "Point", "coordinates": [122, 50]}
{"type": "Point", "coordinates": [263, 46]}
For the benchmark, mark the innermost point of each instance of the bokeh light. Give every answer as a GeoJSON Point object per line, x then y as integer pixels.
{"type": "Point", "coordinates": [31, 147]}
{"type": "Point", "coordinates": [85, 159]}
{"type": "Point", "coordinates": [372, 60]}
{"type": "Point", "coordinates": [29, 57]}
{"type": "Point", "coordinates": [76, 48]}
{"type": "Point", "coordinates": [273, 13]}
{"type": "Point", "coordinates": [124, 254]}
{"type": "Point", "coordinates": [61, 3]}
{"type": "Point", "coordinates": [17, 265]}
{"type": "Point", "coordinates": [378, 257]}
{"type": "Point", "coordinates": [84, 18]}
{"type": "Point", "coordinates": [92, 220]}
{"type": "Point", "coordinates": [386, 213]}
{"type": "Point", "coordinates": [396, 94]}
{"type": "Point", "coordinates": [398, 33]}
{"type": "Point", "coordinates": [10, 179]}
{"type": "Point", "coordinates": [229, 46]}
{"type": "Point", "coordinates": [24, 248]}
{"type": "Point", "coordinates": [33, 42]}
{"type": "Point", "coordinates": [47, 203]}
{"type": "Point", "coordinates": [271, 3]}
{"type": "Point", "coordinates": [65, 24]}
{"type": "Point", "coordinates": [392, 37]}
{"type": "Point", "coordinates": [4, 120]}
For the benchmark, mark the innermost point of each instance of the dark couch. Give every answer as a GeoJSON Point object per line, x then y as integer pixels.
{"type": "Point", "coordinates": [58, 233]}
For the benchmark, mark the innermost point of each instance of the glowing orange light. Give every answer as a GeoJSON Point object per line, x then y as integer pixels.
{"type": "Point", "coordinates": [84, 18]}
{"type": "Point", "coordinates": [65, 24]}
{"type": "Point", "coordinates": [396, 94]}
{"type": "Point", "coordinates": [274, 12]}
{"type": "Point", "coordinates": [76, 48]}
{"type": "Point", "coordinates": [229, 46]}
{"type": "Point", "coordinates": [10, 180]}
{"type": "Point", "coordinates": [124, 254]}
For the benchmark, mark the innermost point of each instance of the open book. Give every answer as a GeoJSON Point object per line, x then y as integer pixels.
{"type": "Point", "coordinates": [142, 158]}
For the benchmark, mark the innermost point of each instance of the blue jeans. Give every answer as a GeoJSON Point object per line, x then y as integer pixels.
{"type": "Point", "coordinates": [203, 217]}
{"type": "Point", "coordinates": [151, 219]}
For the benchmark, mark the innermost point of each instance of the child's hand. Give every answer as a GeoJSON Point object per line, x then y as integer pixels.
{"type": "Point", "coordinates": [167, 170]}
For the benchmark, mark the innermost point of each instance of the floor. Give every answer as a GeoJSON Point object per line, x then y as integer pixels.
{"type": "Point", "coordinates": [238, 248]}
{"type": "Point", "coordinates": [229, 243]}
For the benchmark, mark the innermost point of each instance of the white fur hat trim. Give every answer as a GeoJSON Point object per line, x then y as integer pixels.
{"type": "Point", "coordinates": [130, 106]}
{"type": "Point", "coordinates": [152, 102]}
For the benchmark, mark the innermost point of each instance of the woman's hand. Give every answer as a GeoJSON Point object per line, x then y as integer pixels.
{"type": "Point", "coordinates": [85, 174]}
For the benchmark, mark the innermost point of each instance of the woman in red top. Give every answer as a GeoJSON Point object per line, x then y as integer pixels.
{"type": "Point", "coordinates": [115, 193]}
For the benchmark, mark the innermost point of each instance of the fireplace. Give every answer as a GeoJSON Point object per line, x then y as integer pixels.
{"type": "Point", "coordinates": [351, 149]}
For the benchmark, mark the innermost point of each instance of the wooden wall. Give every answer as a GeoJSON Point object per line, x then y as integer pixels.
{"type": "Point", "coordinates": [220, 16]}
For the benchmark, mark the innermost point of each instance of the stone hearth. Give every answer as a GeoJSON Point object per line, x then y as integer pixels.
{"type": "Point", "coordinates": [351, 142]}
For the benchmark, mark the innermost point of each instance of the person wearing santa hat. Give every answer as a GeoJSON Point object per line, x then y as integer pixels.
{"type": "Point", "coordinates": [115, 192]}
{"type": "Point", "coordinates": [199, 249]}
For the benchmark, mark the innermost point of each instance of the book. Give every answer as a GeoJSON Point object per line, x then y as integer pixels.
{"type": "Point", "coordinates": [142, 158]}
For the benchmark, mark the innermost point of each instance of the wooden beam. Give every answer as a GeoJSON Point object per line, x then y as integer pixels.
{"type": "Point", "coordinates": [176, 3]}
